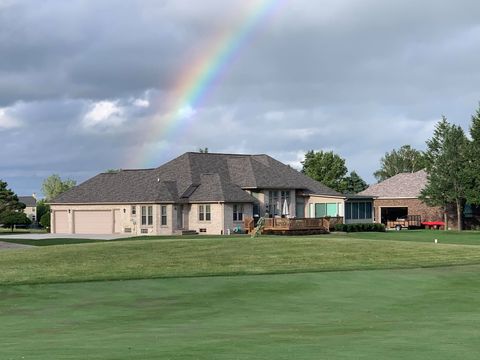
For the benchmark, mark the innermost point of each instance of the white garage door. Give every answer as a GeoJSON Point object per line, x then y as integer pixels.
{"type": "Point", "coordinates": [60, 219]}
{"type": "Point", "coordinates": [93, 222]}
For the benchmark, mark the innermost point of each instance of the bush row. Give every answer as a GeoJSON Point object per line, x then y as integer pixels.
{"type": "Point", "coordinates": [359, 227]}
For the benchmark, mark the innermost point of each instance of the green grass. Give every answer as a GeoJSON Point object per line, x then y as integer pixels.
{"type": "Point", "coordinates": [6, 232]}
{"type": "Point", "coordinates": [309, 298]}
{"type": "Point", "coordinates": [224, 256]}
{"type": "Point", "coordinates": [385, 314]}
{"type": "Point", "coordinates": [444, 237]}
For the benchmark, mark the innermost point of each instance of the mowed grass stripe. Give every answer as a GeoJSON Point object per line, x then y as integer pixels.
{"type": "Point", "coordinates": [155, 259]}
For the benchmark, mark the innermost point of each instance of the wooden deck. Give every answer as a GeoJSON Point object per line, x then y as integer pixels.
{"type": "Point", "coordinates": [299, 226]}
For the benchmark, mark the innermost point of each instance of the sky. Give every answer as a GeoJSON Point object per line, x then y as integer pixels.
{"type": "Point", "coordinates": [91, 85]}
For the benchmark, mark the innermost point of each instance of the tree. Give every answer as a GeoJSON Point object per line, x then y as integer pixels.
{"type": "Point", "coordinates": [405, 159]}
{"type": "Point", "coordinates": [53, 186]}
{"type": "Point", "coordinates": [472, 167]}
{"type": "Point", "coordinates": [42, 209]}
{"type": "Point", "coordinates": [326, 167]}
{"type": "Point", "coordinates": [8, 200]}
{"type": "Point", "coordinates": [45, 221]}
{"type": "Point", "coordinates": [353, 184]}
{"type": "Point", "coordinates": [203, 150]}
{"type": "Point", "coordinates": [446, 178]}
{"type": "Point", "coordinates": [11, 218]}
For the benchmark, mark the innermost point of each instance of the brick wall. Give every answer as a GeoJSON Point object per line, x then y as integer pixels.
{"type": "Point", "coordinates": [415, 207]}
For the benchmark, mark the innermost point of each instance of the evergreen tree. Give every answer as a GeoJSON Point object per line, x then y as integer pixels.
{"type": "Point", "coordinates": [472, 166]}
{"type": "Point", "coordinates": [353, 184]}
{"type": "Point", "coordinates": [405, 159]}
{"type": "Point", "coordinates": [8, 200]}
{"type": "Point", "coordinates": [446, 154]}
{"type": "Point", "coordinates": [11, 218]}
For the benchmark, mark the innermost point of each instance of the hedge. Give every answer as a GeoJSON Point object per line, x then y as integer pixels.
{"type": "Point", "coordinates": [360, 227]}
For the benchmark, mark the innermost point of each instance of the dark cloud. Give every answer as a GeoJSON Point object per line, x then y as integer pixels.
{"type": "Point", "coordinates": [82, 82]}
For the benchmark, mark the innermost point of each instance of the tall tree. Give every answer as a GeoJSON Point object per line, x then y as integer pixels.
{"type": "Point", "coordinates": [54, 186]}
{"type": "Point", "coordinates": [446, 178]}
{"type": "Point", "coordinates": [326, 167]}
{"type": "Point", "coordinates": [203, 150]}
{"type": "Point", "coordinates": [405, 159]}
{"type": "Point", "coordinates": [353, 184]}
{"type": "Point", "coordinates": [8, 200]}
{"type": "Point", "coordinates": [472, 167]}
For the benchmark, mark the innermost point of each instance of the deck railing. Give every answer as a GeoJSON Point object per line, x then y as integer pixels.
{"type": "Point", "coordinates": [296, 224]}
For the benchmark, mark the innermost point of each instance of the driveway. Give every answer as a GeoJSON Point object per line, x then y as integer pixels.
{"type": "Point", "coordinates": [64, 236]}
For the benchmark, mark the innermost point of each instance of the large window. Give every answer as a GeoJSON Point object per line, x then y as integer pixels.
{"type": "Point", "coordinates": [163, 209]}
{"type": "Point", "coordinates": [147, 215]}
{"type": "Point", "coordinates": [238, 212]}
{"type": "Point", "coordinates": [326, 209]}
{"type": "Point", "coordinates": [204, 213]}
{"type": "Point", "coordinates": [358, 210]}
{"type": "Point", "coordinates": [276, 199]}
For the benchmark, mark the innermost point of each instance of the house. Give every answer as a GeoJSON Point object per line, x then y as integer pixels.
{"type": "Point", "coordinates": [30, 206]}
{"type": "Point", "coordinates": [204, 192]}
{"type": "Point", "coordinates": [398, 197]}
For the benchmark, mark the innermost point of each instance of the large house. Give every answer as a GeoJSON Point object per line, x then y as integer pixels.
{"type": "Point", "coordinates": [30, 206]}
{"type": "Point", "coordinates": [398, 197]}
{"type": "Point", "coordinates": [203, 192]}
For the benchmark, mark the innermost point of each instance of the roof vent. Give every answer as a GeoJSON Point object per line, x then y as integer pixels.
{"type": "Point", "coordinates": [158, 179]}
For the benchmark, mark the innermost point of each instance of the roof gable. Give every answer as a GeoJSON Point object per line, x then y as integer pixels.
{"type": "Point", "coordinates": [404, 185]}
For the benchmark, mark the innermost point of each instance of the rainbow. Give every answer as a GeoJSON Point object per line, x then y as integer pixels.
{"type": "Point", "coordinates": [196, 81]}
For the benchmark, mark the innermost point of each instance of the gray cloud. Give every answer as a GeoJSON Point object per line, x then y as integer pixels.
{"type": "Point", "coordinates": [82, 82]}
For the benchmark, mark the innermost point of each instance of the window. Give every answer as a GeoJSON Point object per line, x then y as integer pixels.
{"type": "Point", "coordinates": [164, 215]}
{"type": "Point", "coordinates": [326, 209]}
{"type": "Point", "coordinates": [273, 205]}
{"type": "Point", "coordinates": [358, 210]}
{"type": "Point", "coordinates": [238, 212]}
{"type": "Point", "coordinates": [204, 213]}
{"type": "Point", "coordinates": [208, 216]}
{"type": "Point", "coordinates": [133, 210]}
{"type": "Point", "coordinates": [147, 215]}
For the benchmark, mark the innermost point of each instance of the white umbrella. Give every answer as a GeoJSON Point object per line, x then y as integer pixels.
{"type": "Point", "coordinates": [285, 208]}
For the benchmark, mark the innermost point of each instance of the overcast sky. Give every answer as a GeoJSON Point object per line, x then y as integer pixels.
{"type": "Point", "coordinates": [81, 81]}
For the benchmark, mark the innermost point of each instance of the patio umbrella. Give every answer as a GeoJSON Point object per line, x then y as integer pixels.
{"type": "Point", "coordinates": [285, 211]}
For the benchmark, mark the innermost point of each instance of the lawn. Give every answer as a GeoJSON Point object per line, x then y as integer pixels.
{"type": "Point", "coordinates": [383, 314]}
{"type": "Point", "coordinates": [443, 237]}
{"type": "Point", "coordinates": [327, 297]}
{"type": "Point", "coordinates": [139, 259]}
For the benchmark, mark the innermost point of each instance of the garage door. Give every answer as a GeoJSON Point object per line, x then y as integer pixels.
{"type": "Point", "coordinates": [93, 222]}
{"type": "Point", "coordinates": [60, 219]}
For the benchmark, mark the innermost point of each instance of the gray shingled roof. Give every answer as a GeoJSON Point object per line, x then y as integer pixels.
{"type": "Point", "coordinates": [404, 185]}
{"type": "Point", "coordinates": [29, 201]}
{"type": "Point", "coordinates": [195, 177]}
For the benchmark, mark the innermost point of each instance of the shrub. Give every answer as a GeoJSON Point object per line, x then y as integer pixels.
{"type": "Point", "coordinates": [371, 227]}
{"type": "Point", "coordinates": [45, 220]}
